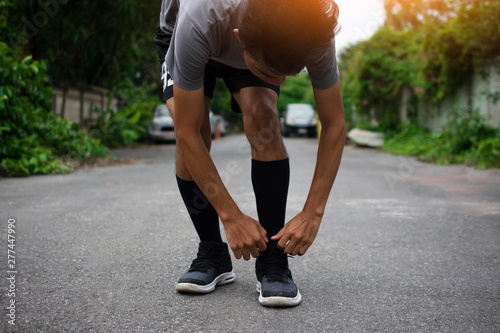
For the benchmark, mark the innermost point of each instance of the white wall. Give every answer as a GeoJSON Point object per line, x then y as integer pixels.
{"type": "Point", "coordinates": [486, 82]}
{"type": "Point", "coordinates": [93, 96]}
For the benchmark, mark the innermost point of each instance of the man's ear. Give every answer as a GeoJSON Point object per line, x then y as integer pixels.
{"type": "Point", "coordinates": [237, 33]}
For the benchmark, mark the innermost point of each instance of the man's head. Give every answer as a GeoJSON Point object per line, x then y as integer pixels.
{"type": "Point", "coordinates": [282, 35]}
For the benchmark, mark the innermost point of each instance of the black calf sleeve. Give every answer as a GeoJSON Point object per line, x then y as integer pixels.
{"type": "Point", "coordinates": [270, 183]}
{"type": "Point", "coordinates": [201, 211]}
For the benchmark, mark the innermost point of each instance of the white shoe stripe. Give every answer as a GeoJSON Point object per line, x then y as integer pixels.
{"type": "Point", "coordinates": [222, 279]}
{"type": "Point", "coordinates": [278, 300]}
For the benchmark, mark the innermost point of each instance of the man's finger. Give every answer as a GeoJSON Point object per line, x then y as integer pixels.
{"type": "Point", "coordinates": [304, 249]}
{"type": "Point", "coordinates": [246, 254]}
{"type": "Point", "coordinates": [296, 249]}
{"type": "Point", "coordinates": [290, 247]}
{"type": "Point", "coordinates": [254, 252]}
{"type": "Point", "coordinates": [282, 242]}
{"type": "Point", "coordinates": [237, 254]}
{"type": "Point", "coordinates": [263, 233]}
{"type": "Point", "coordinates": [261, 245]}
{"type": "Point", "coordinates": [280, 233]}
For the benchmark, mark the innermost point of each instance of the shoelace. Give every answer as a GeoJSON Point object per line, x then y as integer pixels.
{"type": "Point", "coordinates": [206, 259]}
{"type": "Point", "coordinates": [274, 266]}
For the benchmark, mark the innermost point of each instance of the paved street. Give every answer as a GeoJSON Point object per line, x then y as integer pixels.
{"type": "Point", "coordinates": [404, 246]}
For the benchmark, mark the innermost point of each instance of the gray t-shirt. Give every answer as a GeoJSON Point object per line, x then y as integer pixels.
{"type": "Point", "coordinates": [202, 30]}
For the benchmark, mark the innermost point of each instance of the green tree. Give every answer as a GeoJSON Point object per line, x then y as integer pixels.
{"type": "Point", "coordinates": [32, 139]}
{"type": "Point", "coordinates": [87, 42]}
{"type": "Point", "coordinates": [296, 89]}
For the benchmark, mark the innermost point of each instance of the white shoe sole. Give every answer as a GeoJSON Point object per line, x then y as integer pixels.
{"type": "Point", "coordinates": [220, 280]}
{"type": "Point", "coordinates": [278, 300]}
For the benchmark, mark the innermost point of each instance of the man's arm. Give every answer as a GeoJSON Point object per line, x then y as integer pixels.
{"type": "Point", "coordinates": [244, 234]}
{"type": "Point", "coordinates": [297, 235]}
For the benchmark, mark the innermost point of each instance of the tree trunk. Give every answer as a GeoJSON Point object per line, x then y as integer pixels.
{"type": "Point", "coordinates": [82, 92]}
{"type": "Point", "coordinates": [63, 106]}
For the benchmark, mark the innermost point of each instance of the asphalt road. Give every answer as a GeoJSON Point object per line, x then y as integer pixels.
{"type": "Point", "coordinates": [404, 247]}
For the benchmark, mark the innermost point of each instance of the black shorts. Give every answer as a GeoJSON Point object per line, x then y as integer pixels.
{"type": "Point", "coordinates": [234, 78]}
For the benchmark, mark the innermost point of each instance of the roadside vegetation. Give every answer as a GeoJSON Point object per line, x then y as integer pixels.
{"type": "Point", "coordinates": [32, 139]}
{"type": "Point", "coordinates": [74, 44]}
{"type": "Point", "coordinates": [432, 48]}
{"type": "Point", "coordinates": [464, 140]}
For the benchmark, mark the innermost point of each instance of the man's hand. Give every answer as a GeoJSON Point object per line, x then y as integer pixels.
{"type": "Point", "coordinates": [245, 236]}
{"type": "Point", "coordinates": [297, 235]}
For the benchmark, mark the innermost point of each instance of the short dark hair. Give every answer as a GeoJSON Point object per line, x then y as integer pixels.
{"type": "Point", "coordinates": [285, 34]}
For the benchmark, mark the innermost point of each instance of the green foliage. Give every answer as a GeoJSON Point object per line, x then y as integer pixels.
{"type": "Point", "coordinates": [375, 71]}
{"type": "Point", "coordinates": [429, 46]}
{"type": "Point", "coordinates": [86, 42]}
{"type": "Point", "coordinates": [130, 124]}
{"type": "Point", "coordinates": [296, 89]}
{"type": "Point", "coordinates": [32, 138]}
{"type": "Point", "coordinates": [403, 14]}
{"type": "Point", "coordinates": [221, 101]}
{"type": "Point", "coordinates": [432, 48]}
{"type": "Point", "coordinates": [116, 129]}
{"type": "Point", "coordinates": [463, 140]}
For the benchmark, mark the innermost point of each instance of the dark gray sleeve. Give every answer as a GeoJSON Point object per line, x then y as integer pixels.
{"type": "Point", "coordinates": [165, 27]}
{"type": "Point", "coordinates": [188, 54]}
{"type": "Point", "coordinates": [324, 71]}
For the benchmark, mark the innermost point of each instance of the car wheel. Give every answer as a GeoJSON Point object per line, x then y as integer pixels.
{"type": "Point", "coordinates": [312, 133]}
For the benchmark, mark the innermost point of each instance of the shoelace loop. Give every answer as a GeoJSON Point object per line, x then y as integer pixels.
{"type": "Point", "coordinates": [207, 258]}
{"type": "Point", "coordinates": [274, 266]}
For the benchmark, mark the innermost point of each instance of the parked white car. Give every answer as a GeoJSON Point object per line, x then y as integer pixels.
{"type": "Point", "coordinates": [300, 119]}
{"type": "Point", "coordinates": [162, 127]}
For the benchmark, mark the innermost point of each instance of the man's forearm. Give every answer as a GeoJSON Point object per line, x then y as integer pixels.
{"type": "Point", "coordinates": [331, 146]}
{"type": "Point", "coordinates": [189, 112]}
{"type": "Point", "coordinates": [205, 174]}
{"type": "Point", "coordinates": [299, 233]}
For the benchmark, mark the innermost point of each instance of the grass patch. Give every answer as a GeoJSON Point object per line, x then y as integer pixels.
{"type": "Point", "coordinates": [466, 140]}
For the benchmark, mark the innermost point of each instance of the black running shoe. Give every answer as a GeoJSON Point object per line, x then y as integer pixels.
{"type": "Point", "coordinates": [211, 267]}
{"type": "Point", "coordinates": [275, 284]}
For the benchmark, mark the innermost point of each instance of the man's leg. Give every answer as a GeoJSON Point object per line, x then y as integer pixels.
{"type": "Point", "coordinates": [201, 211]}
{"type": "Point", "coordinates": [270, 166]}
{"type": "Point", "coordinates": [270, 179]}
{"type": "Point", "coordinates": [212, 265]}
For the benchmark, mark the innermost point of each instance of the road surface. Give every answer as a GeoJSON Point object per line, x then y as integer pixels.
{"type": "Point", "coordinates": [404, 247]}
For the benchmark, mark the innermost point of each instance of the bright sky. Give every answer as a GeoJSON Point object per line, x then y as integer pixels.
{"type": "Point", "coordinates": [359, 19]}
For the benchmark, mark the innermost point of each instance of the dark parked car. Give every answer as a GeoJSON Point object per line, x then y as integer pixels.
{"type": "Point", "coordinates": [299, 119]}
{"type": "Point", "coordinates": [162, 128]}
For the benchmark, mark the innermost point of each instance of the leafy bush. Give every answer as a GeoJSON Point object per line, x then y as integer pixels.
{"type": "Point", "coordinates": [116, 129]}
{"type": "Point", "coordinates": [464, 140]}
{"type": "Point", "coordinates": [296, 89]}
{"type": "Point", "coordinates": [32, 138]}
{"type": "Point", "coordinates": [129, 125]}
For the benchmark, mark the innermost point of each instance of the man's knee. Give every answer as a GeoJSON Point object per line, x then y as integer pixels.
{"type": "Point", "coordinates": [261, 120]}
{"type": "Point", "coordinates": [262, 131]}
